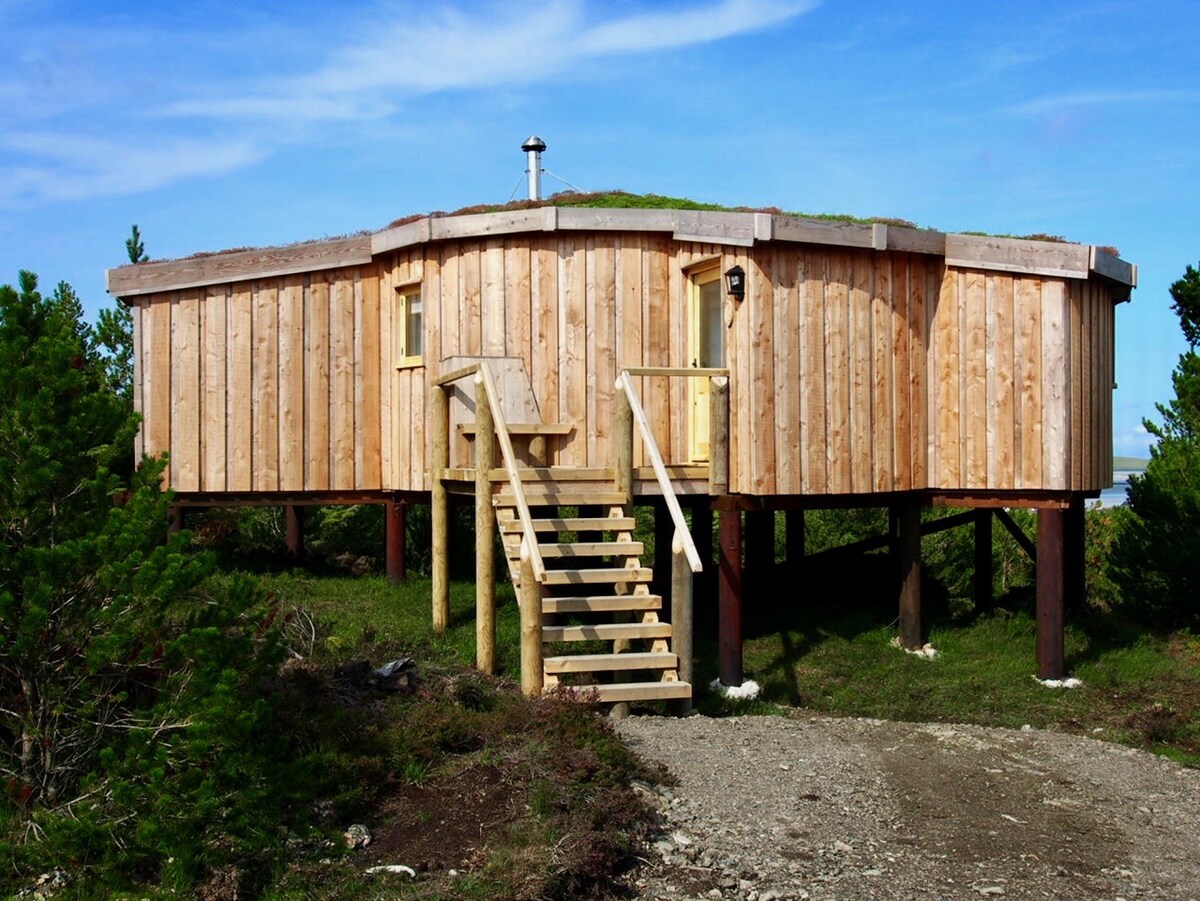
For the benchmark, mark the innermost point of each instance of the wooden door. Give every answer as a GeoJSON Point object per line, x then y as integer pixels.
{"type": "Point", "coordinates": [706, 349]}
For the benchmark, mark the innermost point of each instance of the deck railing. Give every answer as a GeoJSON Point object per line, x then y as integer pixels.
{"type": "Point", "coordinates": [685, 559]}
{"type": "Point", "coordinates": [491, 429]}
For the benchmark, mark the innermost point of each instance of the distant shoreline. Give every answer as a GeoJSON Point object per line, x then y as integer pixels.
{"type": "Point", "coordinates": [1129, 464]}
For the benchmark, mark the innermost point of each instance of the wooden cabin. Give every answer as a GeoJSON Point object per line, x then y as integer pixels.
{"type": "Point", "coordinates": [564, 363]}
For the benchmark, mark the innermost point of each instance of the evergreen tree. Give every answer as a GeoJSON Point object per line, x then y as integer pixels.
{"type": "Point", "coordinates": [114, 329]}
{"type": "Point", "coordinates": [85, 568]}
{"type": "Point", "coordinates": [1155, 559]}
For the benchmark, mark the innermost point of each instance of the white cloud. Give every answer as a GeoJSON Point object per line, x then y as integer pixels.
{"type": "Point", "coordinates": [105, 126]}
{"type": "Point", "coordinates": [62, 166]}
{"type": "Point", "coordinates": [449, 49]}
{"type": "Point", "coordinates": [1053, 103]}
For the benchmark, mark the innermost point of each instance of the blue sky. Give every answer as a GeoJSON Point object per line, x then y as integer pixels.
{"type": "Point", "coordinates": [217, 124]}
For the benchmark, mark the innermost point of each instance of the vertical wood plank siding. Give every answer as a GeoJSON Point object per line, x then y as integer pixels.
{"type": "Point", "coordinates": [1045, 394]}
{"type": "Point", "coordinates": [255, 386]}
{"type": "Point", "coordinates": [852, 371]}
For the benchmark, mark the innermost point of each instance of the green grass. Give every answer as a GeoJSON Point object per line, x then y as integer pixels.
{"type": "Point", "coordinates": [1138, 689]}
{"type": "Point", "coordinates": [353, 611]}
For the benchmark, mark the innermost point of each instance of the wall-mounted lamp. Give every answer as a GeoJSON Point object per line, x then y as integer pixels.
{"type": "Point", "coordinates": [735, 283]}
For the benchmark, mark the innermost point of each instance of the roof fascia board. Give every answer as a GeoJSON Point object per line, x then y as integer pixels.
{"type": "Point", "coordinates": [220, 268]}
{"type": "Point", "coordinates": [1017, 255]}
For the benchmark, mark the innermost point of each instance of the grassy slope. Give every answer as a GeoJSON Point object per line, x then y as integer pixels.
{"type": "Point", "coordinates": [1139, 689]}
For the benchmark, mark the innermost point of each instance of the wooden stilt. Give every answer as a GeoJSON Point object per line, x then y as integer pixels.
{"type": "Point", "coordinates": [439, 508]}
{"type": "Point", "coordinates": [1075, 550]}
{"type": "Point", "coordinates": [664, 533]}
{"type": "Point", "coordinates": [537, 450]}
{"type": "Point", "coordinates": [175, 519]}
{"type": "Point", "coordinates": [681, 616]}
{"type": "Point", "coordinates": [793, 524]}
{"type": "Point", "coordinates": [531, 628]}
{"type": "Point", "coordinates": [729, 605]}
{"type": "Point", "coordinates": [718, 437]}
{"type": "Point", "coordinates": [485, 533]}
{"type": "Point", "coordinates": [295, 532]}
{"type": "Point", "coordinates": [983, 560]}
{"type": "Point", "coordinates": [397, 567]}
{"type": "Point", "coordinates": [702, 534]}
{"type": "Point", "coordinates": [1051, 655]}
{"type": "Point", "coordinates": [908, 552]}
{"type": "Point", "coordinates": [623, 444]}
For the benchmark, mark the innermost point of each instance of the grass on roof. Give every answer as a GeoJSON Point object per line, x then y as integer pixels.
{"type": "Point", "coordinates": [626, 200]}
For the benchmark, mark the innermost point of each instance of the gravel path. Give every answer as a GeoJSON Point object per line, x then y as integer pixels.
{"type": "Point", "coordinates": [772, 808]}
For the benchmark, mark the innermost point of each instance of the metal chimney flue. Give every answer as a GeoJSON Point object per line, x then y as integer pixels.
{"type": "Point", "coordinates": [533, 147]}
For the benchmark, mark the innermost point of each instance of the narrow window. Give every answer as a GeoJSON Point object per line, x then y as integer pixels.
{"type": "Point", "coordinates": [408, 326]}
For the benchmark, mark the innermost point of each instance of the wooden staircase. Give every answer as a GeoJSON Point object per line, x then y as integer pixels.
{"type": "Point", "coordinates": [601, 630]}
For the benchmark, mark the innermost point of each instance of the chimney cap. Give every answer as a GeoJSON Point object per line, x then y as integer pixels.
{"type": "Point", "coordinates": [533, 142]}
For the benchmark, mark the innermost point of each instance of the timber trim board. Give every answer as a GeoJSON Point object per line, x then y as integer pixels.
{"type": "Point", "coordinates": [197, 499]}
{"type": "Point", "coordinates": [727, 229]}
{"type": "Point", "coordinates": [221, 268]}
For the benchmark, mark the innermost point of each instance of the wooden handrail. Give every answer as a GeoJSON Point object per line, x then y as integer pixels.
{"type": "Point", "coordinates": [455, 374]}
{"type": "Point", "coordinates": [683, 535]}
{"type": "Point", "coordinates": [483, 375]}
{"type": "Point", "coordinates": [710, 372]}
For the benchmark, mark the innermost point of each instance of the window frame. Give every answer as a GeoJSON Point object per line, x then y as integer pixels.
{"type": "Point", "coordinates": [401, 343]}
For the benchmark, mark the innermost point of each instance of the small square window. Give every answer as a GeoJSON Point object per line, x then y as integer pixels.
{"type": "Point", "coordinates": [408, 327]}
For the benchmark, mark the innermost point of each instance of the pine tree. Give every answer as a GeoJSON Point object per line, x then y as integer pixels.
{"type": "Point", "coordinates": [85, 565]}
{"type": "Point", "coordinates": [114, 329]}
{"type": "Point", "coordinates": [1155, 559]}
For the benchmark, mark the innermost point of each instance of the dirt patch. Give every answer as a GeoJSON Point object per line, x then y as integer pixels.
{"type": "Point", "coordinates": [445, 823]}
{"type": "Point", "coordinates": [774, 808]}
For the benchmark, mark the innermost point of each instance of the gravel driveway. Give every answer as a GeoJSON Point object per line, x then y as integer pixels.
{"type": "Point", "coordinates": [780, 808]}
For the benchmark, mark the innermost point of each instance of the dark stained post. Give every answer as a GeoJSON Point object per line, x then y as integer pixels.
{"type": "Point", "coordinates": [664, 533]}
{"type": "Point", "coordinates": [175, 519]}
{"type": "Point", "coordinates": [760, 551]}
{"type": "Point", "coordinates": [793, 525]}
{"type": "Point", "coordinates": [397, 569]}
{"type": "Point", "coordinates": [907, 537]}
{"type": "Point", "coordinates": [1051, 662]}
{"type": "Point", "coordinates": [702, 534]}
{"type": "Point", "coordinates": [295, 532]}
{"type": "Point", "coordinates": [729, 605]}
{"type": "Point", "coordinates": [983, 559]}
{"type": "Point", "coordinates": [1074, 550]}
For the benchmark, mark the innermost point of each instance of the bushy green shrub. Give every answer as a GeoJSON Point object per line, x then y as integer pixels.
{"type": "Point", "coordinates": [1155, 563]}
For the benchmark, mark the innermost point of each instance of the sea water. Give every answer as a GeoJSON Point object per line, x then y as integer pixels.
{"type": "Point", "coordinates": [1115, 496]}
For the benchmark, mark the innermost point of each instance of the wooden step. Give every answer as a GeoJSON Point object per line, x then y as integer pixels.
{"type": "Point", "coordinates": [571, 550]}
{"type": "Point", "coordinates": [574, 496]}
{"type": "Point", "coordinates": [525, 428]}
{"type": "Point", "coordinates": [634, 691]}
{"type": "Point", "coordinates": [592, 549]}
{"type": "Point", "coordinates": [606, 632]}
{"type": "Point", "coordinates": [576, 524]}
{"type": "Point", "coordinates": [602, 603]}
{"type": "Point", "coordinates": [595, 474]}
{"type": "Point", "coordinates": [597, 663]}
{"type": "Point", "coordinates": [610, 576]}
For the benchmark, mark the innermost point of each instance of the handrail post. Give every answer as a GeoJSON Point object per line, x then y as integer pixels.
{"type": "Point", "coordinates": [718, 437]}
{"type": "Point", "coordinates": [485, 532]}
{"type": "Point", "coordinates": [500, 432]}
{"type": "Point", "coordinates": [623, 441]}
{"type": "Point", "coordinates": [531, 627]}
{"type": "Point", "coordinates": [660, 469]}
{"type": "Point", "coordinates": [681, 615]}
{"type": "Point", "coordinates": [439, 504]}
